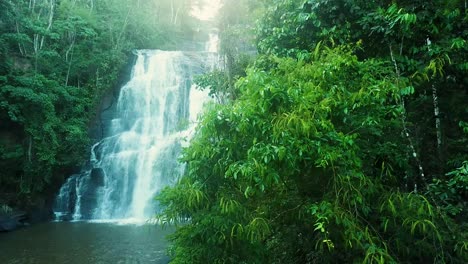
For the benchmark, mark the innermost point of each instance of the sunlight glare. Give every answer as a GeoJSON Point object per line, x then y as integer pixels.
{"type": "Point", "coordinates": [205, 10]}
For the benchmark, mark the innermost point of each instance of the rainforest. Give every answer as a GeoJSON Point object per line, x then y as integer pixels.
{"type": "Point", "coordinates": [241, 131]}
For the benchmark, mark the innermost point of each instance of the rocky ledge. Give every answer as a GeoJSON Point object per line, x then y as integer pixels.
{"type": "Point", "coordinates": [12, 220]}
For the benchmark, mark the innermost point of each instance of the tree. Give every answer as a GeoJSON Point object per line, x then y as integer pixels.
{"type": "Point", "coordinates": [58, 58]}
{"type": "Point", "coordinates": [286, 173]}
{"type": "Point", "coordinates": [329, 150]}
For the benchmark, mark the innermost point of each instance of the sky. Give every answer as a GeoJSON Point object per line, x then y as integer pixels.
{"type": "Point", "coordinates": [208, 11]}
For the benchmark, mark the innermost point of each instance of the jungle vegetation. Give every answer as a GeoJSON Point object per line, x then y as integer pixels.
{"type": "Point", "coordinates": [57, 60]}
{"type": "Point", "coordinates": [343, 141]}
{"type": "Point", "coordinates": [338, 133]}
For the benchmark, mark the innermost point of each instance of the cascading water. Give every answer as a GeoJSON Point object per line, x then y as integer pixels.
{"type": "Point", "coordinates": [140, 156]}
{"type": "Point", "coordinates": [155, 111]}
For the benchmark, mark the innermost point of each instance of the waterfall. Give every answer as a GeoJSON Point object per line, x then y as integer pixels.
{"type": "Point", "coordinates": [156, 111]}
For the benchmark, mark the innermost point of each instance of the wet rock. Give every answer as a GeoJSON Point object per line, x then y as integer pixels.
{"type": "Point", "coordinates": [97, 176]}
{"type": "Point", "coordinates": [11, 221]}
{"type": "Point", "coordinates": [7, 224]}
{"type": "Point", "coordinates": [64, 217]}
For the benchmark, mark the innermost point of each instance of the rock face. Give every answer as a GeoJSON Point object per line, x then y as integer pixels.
{"type": "Point", "coordinates": [105, 111]}
{"type": "Point", "coordinates": [12, 221]}
{"type": "Point", "coordinates": [7, 223]}
{"type": "Point", "coordinates": [97, 176]}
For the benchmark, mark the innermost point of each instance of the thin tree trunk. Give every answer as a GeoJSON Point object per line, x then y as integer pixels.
{"type": "Point", "coordinates": [111, 35]}
{"type": "Point", "coordinates": [97, 77]}
{"type": "Point", "coordinates": [21, 48]}
{"type": "Point", "coordinates": [51, 19]}
{"type": "Point", "coordinates": [176, 15]}
{"type": "Point", "coordinates": [68, 72]}
{"type": "Point", "coordinates": [172, 11]}
{"type": "Point", "coordinates": [30, 149]}
{"type": "Point", "coordinates": [435, 101]}
{"type": "Point", "coordinates": [36, 50]}
{"type": "Point", "coordinates": [32, 5]}
{"type": "Point", "coordinates": [69, 54]}
{"type": "Point", "coordinates": [36, 43]}
{"type": "Point", "coordinates": [229, 66]}
{"type": "Point", "coordinates": [69, 64]}
{"type": "Point", "coordinates": [119, 38]}
{"type": "Point", "coordinates": [71, 38]}
{"type": "Point", "coordinates": [405, 128]}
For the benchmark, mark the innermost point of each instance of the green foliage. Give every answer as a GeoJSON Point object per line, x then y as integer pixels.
{"type": "Point", "coordinates": [452, 191]}
{"type": "Point", "coordinates": [236, 39]}
{"type": "Point", "coordinates": [58, 58]}
{"type": "Point", "coordinates": [425, 43]}
{"type": "Point", "coordinates": [322, 158]}
{"type": "Point", "coordinates": [216, 81]}
{"type": "Point", "coordinates": [304, 166]}
{"type": "Point", "coordinates": [5, 209]}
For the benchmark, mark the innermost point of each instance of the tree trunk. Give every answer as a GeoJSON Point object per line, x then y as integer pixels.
{"type": "Point", "coordinates": [69, 53]}
{"type": "Point", "coordinates": [51, 19]}
{"type": "Point", "coordinates": [21, 47]}
{"type": "Point", "coordinates": [32, 4]}
{"type": "Point", "coordinates": [176, 15]}
{"type": "Point", "coordinates": [405, 128]}
{"type": "Point", "coordinates": [435, 101]}
{"type": "Point", "coordinates": [30, 149]}
{"type": "Point", "coordinates": [124, 26]}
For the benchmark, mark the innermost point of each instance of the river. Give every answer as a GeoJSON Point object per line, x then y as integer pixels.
{"type": "Point", "coordinates": [85, 242]}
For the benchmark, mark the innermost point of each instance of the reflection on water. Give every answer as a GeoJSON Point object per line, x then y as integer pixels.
{"type": "Point", "coordinates": [81, 243]}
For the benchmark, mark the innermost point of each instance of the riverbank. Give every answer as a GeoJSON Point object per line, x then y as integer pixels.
{"type": "Point", "coordinates": [12, 218]}
{"type": "Point", "coordinates": [10, 221]}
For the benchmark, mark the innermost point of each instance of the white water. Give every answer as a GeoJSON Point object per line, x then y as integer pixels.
{"type": "Point", "coordinates": [144, 151]}
{"type": "Point", "coordinates": [156, 112]}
